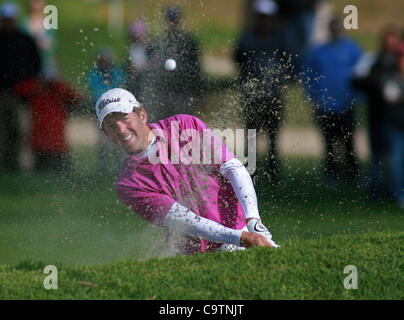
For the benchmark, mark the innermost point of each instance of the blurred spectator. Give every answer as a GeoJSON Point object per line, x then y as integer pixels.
{"type": "Point", "coordinates": [372, 84]}
{"type": "Point", "coordinates": [259, 56]}
{"type": "Point", "coordinates": [45, 39]}
{"type": "Point", "coordinates": [393, 91]}
{"type": "Point", "coordinates": [329, 84]}
{"type": "Point", "coordinates": [298, 17]}
{"type": "Point", "coordinates": [137, 64]}
{"type": "Point", "coordinates": [19, 59]}
{"type": "Point", "coordinates": [50, 101]}
{"type": "Point", "coordinates": [104, 75]}
{"type": "Point", "coordinates": [178, 90]}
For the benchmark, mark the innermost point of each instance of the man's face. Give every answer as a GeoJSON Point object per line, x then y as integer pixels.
{"type": "Point", "coordinates": [391, 41]}
{"type": "Point", "coordinates": [37, 4]}
{"type": "Point", "coordinates": [104, 62]}
{"type": "Point", "coordinates": [128, 130]}
{"type": "Point", "coordinates": [335, 28]}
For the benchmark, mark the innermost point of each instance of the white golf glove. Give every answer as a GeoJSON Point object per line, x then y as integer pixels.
{"type": "Point", "coordinates": [256, 226]}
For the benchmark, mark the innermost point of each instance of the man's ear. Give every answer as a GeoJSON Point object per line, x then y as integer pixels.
{"type": "Point", "coordinates": [143, 115]}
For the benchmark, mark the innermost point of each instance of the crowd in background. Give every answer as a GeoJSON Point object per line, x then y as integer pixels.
{"type": "Point", "coordinates": [274, 49]}
{"type": "Point", "coordinates": [36, 102]}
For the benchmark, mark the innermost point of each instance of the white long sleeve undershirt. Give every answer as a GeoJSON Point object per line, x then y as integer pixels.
{"type": "Point", "coordinates": [187, 222]}
{"type": "Point", "coordinates": [234, 171]}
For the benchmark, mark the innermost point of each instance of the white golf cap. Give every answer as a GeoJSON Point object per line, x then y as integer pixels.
{"type": "Point", "coordinates": [115, 100]}
{"type": "Point", "coordinates": [267, 7]}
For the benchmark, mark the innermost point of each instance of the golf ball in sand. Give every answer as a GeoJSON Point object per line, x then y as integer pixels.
{"type": "Point", "coordinates": [170, 64]}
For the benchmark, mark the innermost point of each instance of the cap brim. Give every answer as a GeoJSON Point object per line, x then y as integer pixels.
{"type": "Point", "coordinates": [118, 108]}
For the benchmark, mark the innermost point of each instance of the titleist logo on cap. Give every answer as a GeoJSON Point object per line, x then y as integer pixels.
{"type": "Point", "coordinates": [107, 101]}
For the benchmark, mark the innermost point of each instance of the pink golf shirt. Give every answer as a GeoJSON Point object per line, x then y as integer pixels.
{"type": "Point", "coordinates": [150, 188]}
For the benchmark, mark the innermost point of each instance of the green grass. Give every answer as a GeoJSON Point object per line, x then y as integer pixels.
{"type": "Point", "coordinates": [70, 220]}
{"type": "Point", "coordinates": [79, 220]}
{"type": "Point", "coordinates": [301, 269]}
{"type": "Point", "coordinates": [77, 224]}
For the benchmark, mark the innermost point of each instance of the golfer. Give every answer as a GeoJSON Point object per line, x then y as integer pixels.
{"type": "Point", "coordinates": [174, 178]}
